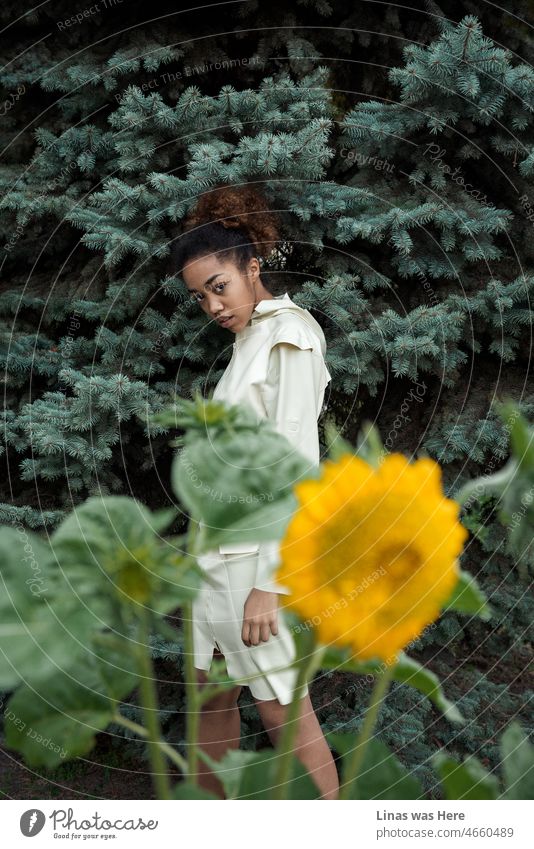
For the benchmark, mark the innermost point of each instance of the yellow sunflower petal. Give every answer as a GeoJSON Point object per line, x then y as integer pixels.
{"type": "Point", "coordinates": [371, 555]}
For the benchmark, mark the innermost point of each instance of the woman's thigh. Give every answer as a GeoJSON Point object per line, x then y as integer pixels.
{"type": "Point", "coordinates": [224, 699]}
{"type": "Point", "coordinates": [201, 674]}
{"type": "Point", "coordinates": [273, 716]}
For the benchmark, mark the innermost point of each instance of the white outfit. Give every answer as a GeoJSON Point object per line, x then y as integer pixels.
{"type": "Point", "coordinates": [278, 369]}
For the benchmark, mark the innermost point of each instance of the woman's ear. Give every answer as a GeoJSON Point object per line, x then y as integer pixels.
{"type": "Point", "coordinates": [254, 268]}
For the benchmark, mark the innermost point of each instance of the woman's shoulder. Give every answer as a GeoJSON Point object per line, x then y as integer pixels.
{"type": "Point", "coordinates": [292, 328]}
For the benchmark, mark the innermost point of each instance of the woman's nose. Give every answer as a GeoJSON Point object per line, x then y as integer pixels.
{"type": "Point", "coordinates": [214, 308]}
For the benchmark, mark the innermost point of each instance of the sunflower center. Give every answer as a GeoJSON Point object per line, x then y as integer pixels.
{"type": "Point", "coordinates": [401, 561]}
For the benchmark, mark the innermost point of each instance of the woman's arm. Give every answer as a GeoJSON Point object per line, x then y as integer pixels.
{"type": "Point", "coordinates": [291, 397]}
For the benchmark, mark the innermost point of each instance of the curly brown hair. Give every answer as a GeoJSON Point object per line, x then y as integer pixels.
{"type": "Point", "coordinates": [243, 207]}
{"type": "Point", "coordinates": [231, 221]}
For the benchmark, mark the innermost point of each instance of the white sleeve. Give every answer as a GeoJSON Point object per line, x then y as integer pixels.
{"type": "Point", "coordinates": [291, 398]}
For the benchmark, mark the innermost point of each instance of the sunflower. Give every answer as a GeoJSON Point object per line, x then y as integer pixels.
{"type": "Point", "coordinates": [371, 554]}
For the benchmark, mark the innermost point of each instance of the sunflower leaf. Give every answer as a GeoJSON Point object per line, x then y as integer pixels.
{"type": "Point", "coordinates": [381, 776]}
{"type": "Point", "coordinates": [410, 671]}
{"type": "Point", "coordinates": [518, 762]}
{"type": "Point", "coordinates": [236, 479]}
{"type": "Point", "coordinates": [336, 445]}
{"type": "Point", "coordinates": [406, 671]}
{"type": "Point", "coordinates": [467, 597]}
{"type": "Point", "coordinates": [468, 780]}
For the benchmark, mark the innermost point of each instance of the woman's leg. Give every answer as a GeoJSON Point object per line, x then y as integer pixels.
{"type": "Point", "coordinates": [309, 743]}
{"type": "Point", "coordinates": [219, 731]}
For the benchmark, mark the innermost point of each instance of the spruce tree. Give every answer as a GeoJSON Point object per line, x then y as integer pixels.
{"type": "Point", "coordinates": [396, 144]}
{"type": "Point", "coordinates": [402, 223]}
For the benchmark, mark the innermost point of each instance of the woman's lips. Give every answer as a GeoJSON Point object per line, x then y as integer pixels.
{"type": "Point", "coordinates": [227, 321]}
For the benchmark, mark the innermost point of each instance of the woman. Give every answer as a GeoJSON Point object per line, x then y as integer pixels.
{"type": "Point", "coordinates": [277, 368]}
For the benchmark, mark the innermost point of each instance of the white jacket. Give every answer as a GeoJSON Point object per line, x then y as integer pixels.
{"type": "Point", "coordinates": [278, 369]}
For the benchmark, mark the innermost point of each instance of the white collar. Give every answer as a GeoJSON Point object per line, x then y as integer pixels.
{"type": "Point", "coordinates": [270, 304]}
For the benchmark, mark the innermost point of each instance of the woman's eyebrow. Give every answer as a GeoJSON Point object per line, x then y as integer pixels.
{"type": "Point", "coordinates": [213, 276]}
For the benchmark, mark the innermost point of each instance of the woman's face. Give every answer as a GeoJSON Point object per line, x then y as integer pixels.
{"type": "Point", "coordinates": [222, 290]}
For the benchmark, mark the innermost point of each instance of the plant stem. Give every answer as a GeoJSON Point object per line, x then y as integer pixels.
{"type": "Point", "coordinates": [171, 753]}
{"type": "Point", "coordinates": [149, 703]}
{"type": "Point", "coordinates": [192, 691]}
{"type": "Point", "coordinates": [355, 760]}
{"type": "Point", "coordinates": [192, 701]}
{"type": "Point", "coordinates": [285, 746]}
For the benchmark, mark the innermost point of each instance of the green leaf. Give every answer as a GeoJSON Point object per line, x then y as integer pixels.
{"type": "Point", "coordinates": [517, 753]}
{"type": "Point", "coordinates": [267, 523]}
{"type": "Point", "coordinates": [468, 780]}
{"type": "Point", "coordinates": [108, 548]}
{"type": "Point", "coordinates": [184, 790]}
{"type": "Point", "coordinates": [59, 720]}
{"type": "Point", "coordinates": [521, 435]}
{"type": "Point", "coordinates": [229, 769]}
{"type": "Point", "coordinates": [488, 484]}
{"type": "Point", "coordinates": [26, 566]}
{"type": "Point", "coordinates": [238, 483]}
{"type": "Point", "coordinates": [117, 662]}
{"type": "Point", "coordinates": [161, 519]}
{"type": "Point", "coordinates": [258, 778]}
{"type": "Point", "coordinates": [369, 445]}
{"type": "Point", "coordinates": [37, 640]}
{"type": "Point", "coordinates": [407, 671]}
{"type": "Point", "coordinates": [336, 445]}
{"type": "Point", "coordinates": [43, 625]}
{"type": "Point", "coordinates": [512, 487]}
{"type": "Point", "coordinates": [176, 579]}
{"type": "Point", "coordinates": [252, 775]}
{"type": "Point", "coordinates": [410, 671]}
{"type": "Point", "coordinates": [381, 775]}
{"type": "Point", "coordinates": [100, 526]}
{"type": "Point", "coordinates": [467, 597]}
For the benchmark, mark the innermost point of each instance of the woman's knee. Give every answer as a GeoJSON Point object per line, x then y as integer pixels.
{"type": "Point", "coordinates": [223, 700]}
{"type": "Point", "coordinates": [273, 716]}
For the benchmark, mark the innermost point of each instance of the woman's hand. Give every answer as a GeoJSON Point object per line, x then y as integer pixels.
{"type": "Point", "coordinates": [260, 617]}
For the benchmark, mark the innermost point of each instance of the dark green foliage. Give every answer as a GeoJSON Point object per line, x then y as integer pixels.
{"type": "Point", "coordinates": [413, 730]}
{"type": "Point", "coordinates": [411, 272]}
{"type": "Point", "coordinates": [414, 251]}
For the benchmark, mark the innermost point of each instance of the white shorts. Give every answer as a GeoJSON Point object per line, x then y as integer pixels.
{"type": "Point", "coordinates": [218, 620]}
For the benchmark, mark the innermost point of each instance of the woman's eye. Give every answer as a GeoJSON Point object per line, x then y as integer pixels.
{"type": "Point", "coordinates": [196, 297]}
